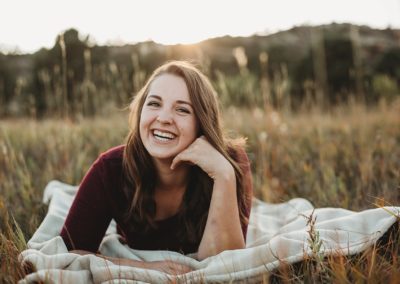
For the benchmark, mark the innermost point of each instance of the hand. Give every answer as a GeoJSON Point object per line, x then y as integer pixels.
{"type": "Point", "coordinates": [204, 155]}
{"type": "Point", "coordinates": [168, 266]}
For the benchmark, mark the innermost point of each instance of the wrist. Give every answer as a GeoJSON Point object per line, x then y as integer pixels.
{"type": "Point", "coordinates": [226, 175]}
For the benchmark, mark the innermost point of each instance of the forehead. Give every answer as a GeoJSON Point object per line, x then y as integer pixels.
{"type": "Point", "coordinates": [169, 86]}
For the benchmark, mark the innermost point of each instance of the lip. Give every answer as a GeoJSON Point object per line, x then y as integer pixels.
{"type": "Point", "coordinates": [163, 130]}
{"type": "Point", "coordinates": [162, 142]}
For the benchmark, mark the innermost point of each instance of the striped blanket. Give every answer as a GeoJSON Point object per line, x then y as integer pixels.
{"type": "Point", "coordinates": [277, 233]}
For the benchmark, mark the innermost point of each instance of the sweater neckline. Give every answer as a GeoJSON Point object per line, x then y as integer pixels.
{"type": "Point", "coordinates": [168, 219]}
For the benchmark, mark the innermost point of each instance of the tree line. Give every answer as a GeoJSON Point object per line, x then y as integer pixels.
{"type": "Point", "coordinates": [325, 65]}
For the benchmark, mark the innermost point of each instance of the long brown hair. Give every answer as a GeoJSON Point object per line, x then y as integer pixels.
{"type": "Point", "coordinates": [139, 170]}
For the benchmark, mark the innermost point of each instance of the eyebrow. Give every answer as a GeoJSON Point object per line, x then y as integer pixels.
{"type": "Point", "coordinates": [178, 101]}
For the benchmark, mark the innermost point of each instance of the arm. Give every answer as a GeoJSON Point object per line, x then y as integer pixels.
{"type": "Point", "coordinates": [223, 229]}
{"type": "Point", "coordinates": [90, 212]}
{"type": "Point", "coordinates": [247, 183]}
{"type": "Point", "coordinates": [167, 266]}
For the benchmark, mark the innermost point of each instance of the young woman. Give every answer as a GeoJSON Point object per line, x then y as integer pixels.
{"type": "Point", "coordinates": [177, 184]}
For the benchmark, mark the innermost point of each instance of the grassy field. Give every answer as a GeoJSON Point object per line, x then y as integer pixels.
{"type": "Point", "coordinates": [348, 157]}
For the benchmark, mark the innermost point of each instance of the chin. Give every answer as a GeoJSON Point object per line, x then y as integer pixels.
{"type": "Point", "coordinates": [162, 155]}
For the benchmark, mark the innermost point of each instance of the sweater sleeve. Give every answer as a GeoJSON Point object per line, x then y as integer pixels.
{"type": "Point", "coordinates": [90, 212]}
{"type": "Point", "coordinates": [244, 164]}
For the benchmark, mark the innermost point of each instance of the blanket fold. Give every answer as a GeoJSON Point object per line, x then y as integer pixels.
{"type": "Point", "coordinates": [276, 233]}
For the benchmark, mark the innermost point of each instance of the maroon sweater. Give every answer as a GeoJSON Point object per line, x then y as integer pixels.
{"type": "Point", "coordinates": [100, 199]}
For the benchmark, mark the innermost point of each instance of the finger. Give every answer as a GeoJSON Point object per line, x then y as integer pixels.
{"type": "Point", "coordinates": [184, 268]}
{"type": "Point", "coordinates": [175, 161]}
{"type": "Point", "coordinates": [183, 156]}
{"type": "Point", "coordinates": [178, 268]}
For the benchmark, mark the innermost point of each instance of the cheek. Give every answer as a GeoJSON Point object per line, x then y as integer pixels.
{"type": "Point", "coordinates": [190, 130]}
{"type": "Point", "coordinates": [145, 118]}
{"type": "Point", "coordinates": [143, 124]}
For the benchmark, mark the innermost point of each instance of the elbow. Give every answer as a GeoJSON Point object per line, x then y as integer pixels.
{"type": "Point", "coordinates": [202, 254]}
{"type": "Point", "coordinates": [239, 245]}
{"type": "Point", "coordinates": [213, 249]}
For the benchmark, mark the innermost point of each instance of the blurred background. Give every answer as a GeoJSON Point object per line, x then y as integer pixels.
{"type": "Point", "coordinates": [313, 85]}
{"type": "Point", "coordinates": [73, 59]}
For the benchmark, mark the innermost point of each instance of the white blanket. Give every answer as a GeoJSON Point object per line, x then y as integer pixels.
{"type": "Point", "coordinates": [276, 233]}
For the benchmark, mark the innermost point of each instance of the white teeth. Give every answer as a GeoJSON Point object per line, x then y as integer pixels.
{"type": "Point", "coordinates": [161, 139]}
{"type": "Point", "coordinates": [163, 136]}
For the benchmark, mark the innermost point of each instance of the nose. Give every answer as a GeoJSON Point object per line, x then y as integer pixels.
{"type": "Point", "coordinates": [164, 117]}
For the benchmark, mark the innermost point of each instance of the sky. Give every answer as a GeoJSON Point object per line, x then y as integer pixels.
{"type": "Point", "coordinates": [27, 25]}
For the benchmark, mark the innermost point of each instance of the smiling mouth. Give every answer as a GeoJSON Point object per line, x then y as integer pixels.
{"type": "Point", "coordinates": [163, 136]}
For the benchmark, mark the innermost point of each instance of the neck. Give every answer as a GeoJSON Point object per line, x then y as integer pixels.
{"type": "Point", "coordinates": [171, 179]}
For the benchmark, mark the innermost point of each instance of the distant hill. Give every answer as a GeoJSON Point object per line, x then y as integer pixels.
{"type": "Point", "coordinates": [291, 44]}
{"type": "Point", "coordinates": [338, 58]}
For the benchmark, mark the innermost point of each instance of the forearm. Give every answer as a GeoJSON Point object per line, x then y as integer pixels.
{"type": "Point", "coordinates": [223, 228]}
{"type": "Point", "coordinates": [167, 266]}
{"type": "Point", "coordinates": [115, 260]}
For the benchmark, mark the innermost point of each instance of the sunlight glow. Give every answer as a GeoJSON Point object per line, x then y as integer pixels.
{"type": "Point", "coordinates": [34, 24]}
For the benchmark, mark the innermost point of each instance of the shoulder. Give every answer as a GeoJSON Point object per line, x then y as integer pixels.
{"type": "Point", "coordinates": [238, 153]}
{"type": "Point", "coordinates": [109, 167]}
{"type": "Point", "coordinates": [241, 155]}
{"type": "Point", "coordinates": [115, 153]}
{"type": "Point", "coordinates": [110, 161]}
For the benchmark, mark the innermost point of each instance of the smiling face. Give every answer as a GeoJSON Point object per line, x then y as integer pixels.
{"type": "Point", "coordinates": [168, 124]}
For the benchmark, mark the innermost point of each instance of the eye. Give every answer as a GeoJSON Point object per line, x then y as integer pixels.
{"type": "Point", "coordinates": [183, 110]}
{"type": "Point", "coordinates": [153, 103]}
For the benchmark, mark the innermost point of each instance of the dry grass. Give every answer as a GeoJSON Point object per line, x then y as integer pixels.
{"type": "Point", "coordinates": [349, 157]}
